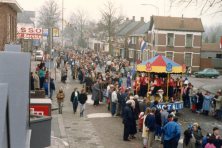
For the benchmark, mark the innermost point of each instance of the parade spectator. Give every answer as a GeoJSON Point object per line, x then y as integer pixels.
{"type": "Point", "coordinates": [74, 99]}
{"type": "Point", "coordinates": [197, 133]}
{"type": "Point", "coordinates": [36, 80]}
{"type": "Point", "coordinates": [46, 87]}
{"type": "Point", "coordinates": [214, 141]}
{"type": "Point", "coordinates": [60, 99]}
{"type": "Point", "coordinates": [63, 75]}
{"type": "Point", "coordinates": [52, 88]}
{"type": "Point", "coordinates": [172, 133]}
{"type": "Point", "coordinates": [42, 77]}
{"type": "Point", "coordinates": [150, 123]}
{"type": "Point", "coordinates": [82, 100]}
{"type": "Point", "coordinates": [128, 80]}
{"type": "Point", "coordinates": [95, 94]}
{"type": "Point", "coordinates": [127, 120]}
{"type": "Point", "coordinates": [218, 100]}
{"type": "Point", "coordinates": [144, 129]}
{"type": "Point", "coordinates": [114, 101]}
{"type": "Point", "coordinates": [188, 141]}
{"type": "Point", "coordinates": [207, 103]}
{"type": "Point", "coordinates": [200, 99]}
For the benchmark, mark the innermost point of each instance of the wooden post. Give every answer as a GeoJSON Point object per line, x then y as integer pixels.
{"type": "Point", "coordinates": [168, 75]}
{"type": "Point", "coordinates": [148, 84]}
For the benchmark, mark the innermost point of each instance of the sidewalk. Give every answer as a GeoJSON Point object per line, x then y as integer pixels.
{"type": "Point", "coordinates": [68, 129]}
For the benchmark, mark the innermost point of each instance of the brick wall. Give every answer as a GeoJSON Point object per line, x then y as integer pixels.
{"type": "Point", "coordinates": [7, 32]}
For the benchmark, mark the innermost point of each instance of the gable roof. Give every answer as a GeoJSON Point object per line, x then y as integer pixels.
{"type": "Point", "coordinates": [128, 28]}
{"type": "Point", "coordinates": [211, 47]}
{"type": "Point", "coordinates": [141, 30]}
{"type": "Point", "coordinates": [177, 23]}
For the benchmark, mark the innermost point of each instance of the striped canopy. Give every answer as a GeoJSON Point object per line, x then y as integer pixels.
{"type": "Point", "coordinates": [160, 64]}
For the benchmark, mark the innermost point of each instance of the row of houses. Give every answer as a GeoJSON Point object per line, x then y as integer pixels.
{"type": "Point", "coordinates": [177, 38]}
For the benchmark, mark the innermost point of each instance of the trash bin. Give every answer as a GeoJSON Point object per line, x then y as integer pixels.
{"type": "Point", "coordinates": [40, 131]}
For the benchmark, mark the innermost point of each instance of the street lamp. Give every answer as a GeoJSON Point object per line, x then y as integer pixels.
{"type": "Point", "coordinates": [156, 36]}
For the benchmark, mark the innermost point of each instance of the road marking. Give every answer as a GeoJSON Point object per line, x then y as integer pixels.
{"type": "Point", "coordinates": [99, 115]}
{"type": "Point", "coordinates": [63, 141]}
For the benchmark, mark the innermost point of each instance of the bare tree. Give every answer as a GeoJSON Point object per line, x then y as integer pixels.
{"type": "Point", "coordinates": [212, 6]}
{"type": "Point", "coordinates": [109, 21]}
{"type": "Point", "coordinates": [49, 14]}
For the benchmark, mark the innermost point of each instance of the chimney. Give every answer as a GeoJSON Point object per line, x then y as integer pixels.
{"type": "Point", "coordinates": [133, 18]}
{"type": "Point", "coordinates": [142, 19]}
{"type": "Point", "coordinates": [182, 22]}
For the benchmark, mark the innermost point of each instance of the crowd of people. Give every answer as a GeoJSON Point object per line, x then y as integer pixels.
{"type": "Point", "coordinates": [113, 82]}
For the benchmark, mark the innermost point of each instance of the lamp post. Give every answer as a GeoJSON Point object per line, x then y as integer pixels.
{"type": "Point", "coordinates": [62, 20]}
{"type": "Point", "coordinates": [156, 36]}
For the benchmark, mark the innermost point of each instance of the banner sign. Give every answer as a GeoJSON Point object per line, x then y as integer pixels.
{"type": "Point", "coordinates": [29, 33]}
{"type": "Point", "coordinates": [175, 105]}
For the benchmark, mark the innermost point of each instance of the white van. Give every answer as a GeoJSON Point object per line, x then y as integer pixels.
{"type": "Point", "coordinates": [39, 55]}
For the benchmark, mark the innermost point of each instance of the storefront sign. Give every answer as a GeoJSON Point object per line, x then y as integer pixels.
{"type": "Point", "coordinates": [175, 106]}
{"type": "Point", "coordinates": [29, 33]}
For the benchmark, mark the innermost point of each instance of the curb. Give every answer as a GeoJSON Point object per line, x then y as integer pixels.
{"type": "Point", "coordinates": [63, 131]}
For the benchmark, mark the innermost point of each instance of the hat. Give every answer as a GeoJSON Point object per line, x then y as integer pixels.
{"type": "Point", "coordinates": [136, 97]}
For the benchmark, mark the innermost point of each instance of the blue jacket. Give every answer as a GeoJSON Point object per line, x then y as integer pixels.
{"type": "Point", "coordinates": [150, 122]}
{"type": "Point", "coordinates": [172, 130]}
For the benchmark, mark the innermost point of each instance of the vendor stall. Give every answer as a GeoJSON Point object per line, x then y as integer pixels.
{"type": "Point", "coordinates": [159, 70]}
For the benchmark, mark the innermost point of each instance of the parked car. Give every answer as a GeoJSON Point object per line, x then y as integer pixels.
{"type": "Point", "coordinates": [207, 72]}
{"type": "Point", "coordinates": [39, 55]}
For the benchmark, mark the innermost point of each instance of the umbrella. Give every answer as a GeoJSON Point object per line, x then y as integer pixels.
{"type": "Point", "coordinates": [160, 64]}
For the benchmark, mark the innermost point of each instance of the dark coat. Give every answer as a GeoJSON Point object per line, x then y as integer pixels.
{"type": "Point", "coordinates": [73, 98]}
{"type": "Point", "coordinates": [150, 122]}
{"type": "Point", "coordinates": [95, 92]}
{"type": "Point", "coordinates": [82, 98]}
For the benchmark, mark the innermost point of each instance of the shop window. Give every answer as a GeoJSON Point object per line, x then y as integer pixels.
{"type": "Point", "coordinates": [170, 39]}
{"type": "Point", "coordinates": [189, 40]}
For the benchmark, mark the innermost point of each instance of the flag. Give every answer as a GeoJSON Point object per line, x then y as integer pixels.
{"type": "Point", "coordinates": [221, 42]}
{"type": "Point", "coordinates": [129, 41]}
{"type": "Point", "coordinates": [143, 46]}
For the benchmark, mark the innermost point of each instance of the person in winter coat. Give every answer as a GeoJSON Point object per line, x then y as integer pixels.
{"type": "Point", "coordinates": [36, 81]}
{"type": "Point", "coordinates": [82, 101]}
{"type": "Point", "coordinates": [74, 99]}
{"type": "Point", "coordinates": [197, 135]}
{"type": "Point", "coordinates": [172, 131]}
{"type": "Point", "coordinates": [114, 99]}
{"type": "Point", "coordinates": [41, 77]}
{"type": "Point", "coordinates": [128, 80]}
{"type": "Point", "coordinates": [218, 100]}
{"type": "Point", "coordinates": [95, 94]}
{"type": "Point", "coordinates": [127, 120]}
{"type": "Point", "coordinates": [207, 103]}
{"type": "Point", "coordinates": [188, 141]}
{"type": "Point", "coordinates": [150, 123]}
{"type": "Point", "coordinates": [60, 99]}
{"type": "Point", "coordinates": [145, 130]}
{"type": "Point", "coordinates": [52, 88]}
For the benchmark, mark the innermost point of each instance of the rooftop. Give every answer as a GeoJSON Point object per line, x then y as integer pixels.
{"type": "Point", "coordinates": [211, 47]}
{"type": "Point", "coordinates": [141, 30]}
{"type": "Point", "coordinates": [177, 23]}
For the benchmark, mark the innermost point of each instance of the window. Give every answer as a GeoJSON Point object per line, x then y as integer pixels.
{"type": "Point", "coordinates": [170, 39]}
{"type": "Point", "coordinates": [138, 55]}
{"type": "Point", "coordinates": [133, 40]}
{"type": "Point", "coordinates": [189, 40]}
{"type": "Point", "coordinates": [219, 56]}
{"type": "Point", "coordinates": [169, 55]}
{"type": "Point", "coordinates": [131, 53]}
{"type": "Point", "coordinates": [188, 59]}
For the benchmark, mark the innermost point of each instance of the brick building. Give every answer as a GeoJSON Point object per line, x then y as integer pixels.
{"type": "Point", "coordinates": [178, 38]}
{"type": "Point", "coordinates": [8, 21]}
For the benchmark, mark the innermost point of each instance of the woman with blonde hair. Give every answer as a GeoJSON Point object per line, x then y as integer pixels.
{"type": "Point", "coordinates": [145, 131]}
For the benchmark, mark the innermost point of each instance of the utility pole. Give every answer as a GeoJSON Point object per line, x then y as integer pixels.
{"type": "Point", "coordinates": [62, 20]}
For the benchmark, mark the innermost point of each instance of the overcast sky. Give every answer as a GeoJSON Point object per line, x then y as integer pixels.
{"type": "Point", "coordinates": [127, 8]}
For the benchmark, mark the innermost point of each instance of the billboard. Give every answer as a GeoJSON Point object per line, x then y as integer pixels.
{"type": "Point", "coordinates": [29, 33]}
